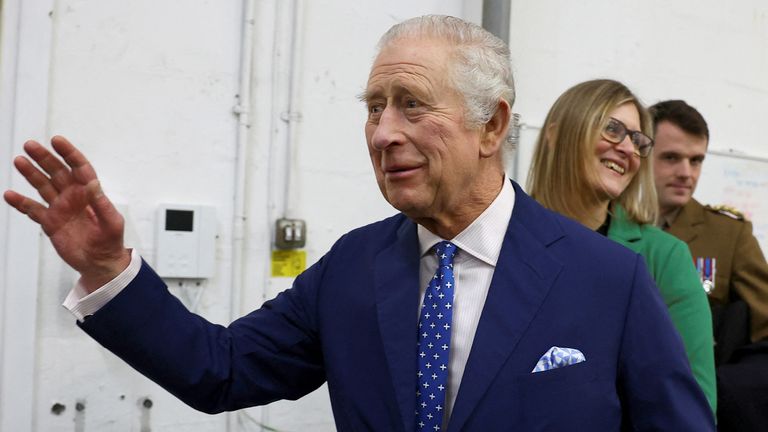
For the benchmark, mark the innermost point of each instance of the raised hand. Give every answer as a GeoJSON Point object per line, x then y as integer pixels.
{"type": "Point", "coordinates": [84, 227]}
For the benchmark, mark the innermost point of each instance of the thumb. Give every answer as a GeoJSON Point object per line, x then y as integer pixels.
{"type": "Point", "coordinates": [105, 211]}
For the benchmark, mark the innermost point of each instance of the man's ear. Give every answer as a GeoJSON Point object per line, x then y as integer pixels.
{"type": "Point", "coordinates": [495, 131]}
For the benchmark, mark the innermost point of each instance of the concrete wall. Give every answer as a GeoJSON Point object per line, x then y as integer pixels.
{"type": "Point", "coordinates": [147, 89]}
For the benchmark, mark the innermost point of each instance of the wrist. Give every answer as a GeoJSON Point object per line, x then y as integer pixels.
{"type": "Point", "coordinates": [101, 273]}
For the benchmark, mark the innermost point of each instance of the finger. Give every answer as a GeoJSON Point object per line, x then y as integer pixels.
{"type": "Point", "coordinates": [24, 205]}
{"type": "Point", "coordinates": [82, 170]}
{"type": "Point", "coordinates": [59, 174]}
{"type": "Point", "coordinates": [13, 198]}
{"type": "Point", "coordinates": [109, 218]}
{"type": "Point", "coordinates": [36, 178]}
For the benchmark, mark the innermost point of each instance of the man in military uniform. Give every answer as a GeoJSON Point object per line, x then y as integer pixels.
{"type": "Point", "coordinates": [725, 251]}
{"type": "Point", "coordinates": [728, 257]}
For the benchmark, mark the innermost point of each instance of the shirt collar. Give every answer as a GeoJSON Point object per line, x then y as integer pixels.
{"type": "Point", "coordinates": [484, 236]}
{"type": "Point", "coordinates": [667, 221]}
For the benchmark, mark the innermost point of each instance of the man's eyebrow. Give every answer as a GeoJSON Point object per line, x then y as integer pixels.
{"type": "Point", "coordinates": [368, 94]}
{"type": "Point", "coordinates": [668, 153]}
{"type": "Point", "coordinates": [364, 96]}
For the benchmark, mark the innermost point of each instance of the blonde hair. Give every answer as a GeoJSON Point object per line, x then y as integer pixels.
{"type": "Point", "coordinates": [562, 174]}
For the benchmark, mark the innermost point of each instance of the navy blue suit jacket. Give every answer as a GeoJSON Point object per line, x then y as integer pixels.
{"type": "Point", "coordinates": [351, 320]}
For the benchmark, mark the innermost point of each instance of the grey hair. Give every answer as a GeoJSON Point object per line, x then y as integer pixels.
{"type": "Point", "coordinates": [481, 70]}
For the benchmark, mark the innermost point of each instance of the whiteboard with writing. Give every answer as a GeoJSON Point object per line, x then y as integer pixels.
{"type": "Point", "coordinates": [739, 181]}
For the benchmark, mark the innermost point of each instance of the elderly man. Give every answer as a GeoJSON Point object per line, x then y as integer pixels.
{"type": "Point", "coordinates": [474, 309]}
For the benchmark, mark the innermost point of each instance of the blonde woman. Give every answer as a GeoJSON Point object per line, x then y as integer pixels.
{"type": "Point", "coordinates": [591, 164]}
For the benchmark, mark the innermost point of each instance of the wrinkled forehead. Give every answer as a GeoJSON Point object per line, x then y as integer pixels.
{"type": "Point", "coordinates": [426, 58]}
{"type": "Point", "coordinates": [427, 52]}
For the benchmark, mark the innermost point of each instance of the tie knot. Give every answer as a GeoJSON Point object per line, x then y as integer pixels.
{"type": "Point", "coordinates": [445, 251]}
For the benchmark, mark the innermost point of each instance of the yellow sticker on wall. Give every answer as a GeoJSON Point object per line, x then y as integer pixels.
{"type": "Point", "coordinates": [288, 263]}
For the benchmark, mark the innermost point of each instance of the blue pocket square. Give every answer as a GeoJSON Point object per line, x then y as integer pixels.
{"type": "Point", "coordinates": [557, 357]}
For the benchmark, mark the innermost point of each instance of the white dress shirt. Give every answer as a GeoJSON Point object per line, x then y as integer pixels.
{"type": "Point", "coordinates": [479, 247]}
{"type": "Point", "coordinates": [82, 304]}
{"type": "Point", "coordinates": [473, 266]}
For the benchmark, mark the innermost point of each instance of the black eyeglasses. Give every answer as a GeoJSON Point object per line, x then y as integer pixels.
{"type": "Point", "coordinates": [615, 132]}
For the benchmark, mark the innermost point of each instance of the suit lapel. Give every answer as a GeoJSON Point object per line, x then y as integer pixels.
{"type": "Point", "coordinates": [524, 273]}
{"type": "Point", "coordinates": [688, 222]}
{"type": "Point", "coordinates": [396, 277]}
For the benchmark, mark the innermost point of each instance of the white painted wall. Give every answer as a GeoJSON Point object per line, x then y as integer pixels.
{"type": "Point", "coordinates": [146, 88]}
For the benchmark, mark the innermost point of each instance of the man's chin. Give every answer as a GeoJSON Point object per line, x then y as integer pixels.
{"type": "Point", "coordinates": [402, 202]}
{"type": "Point", "coordinates": [677, 201]}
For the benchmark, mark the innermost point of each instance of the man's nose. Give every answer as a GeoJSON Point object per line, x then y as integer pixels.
{"type": "Point", "coordinates": [684, 168]}
{"type": "Point", "coordinates": [389, 129]}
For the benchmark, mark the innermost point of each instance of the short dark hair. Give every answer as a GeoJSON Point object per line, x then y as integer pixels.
{"type": "Point", "coordinates": [682, 115]}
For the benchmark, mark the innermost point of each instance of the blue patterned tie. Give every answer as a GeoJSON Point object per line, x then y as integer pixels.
{"type": "Point", "coordinates": [434, 341]}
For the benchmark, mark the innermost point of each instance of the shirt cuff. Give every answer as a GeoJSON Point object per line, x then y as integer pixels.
{"type": "Point", "coordinates": [82, 304]}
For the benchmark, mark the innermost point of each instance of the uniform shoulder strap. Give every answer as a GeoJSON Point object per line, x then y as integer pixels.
{"type": "Point", "coordinates": [726, 211]}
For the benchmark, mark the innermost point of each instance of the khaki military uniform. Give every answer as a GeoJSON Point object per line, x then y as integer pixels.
{"type": "Point", "coordinates": [739, 268]}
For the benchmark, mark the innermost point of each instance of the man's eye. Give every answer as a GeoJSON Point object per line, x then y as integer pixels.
{"type": "Point", "coordinates": [375, 109]}
{"type": "Point", "coordinates": [411, 103]}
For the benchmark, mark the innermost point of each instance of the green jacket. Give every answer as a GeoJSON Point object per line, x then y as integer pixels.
{"type": "Point", "coordinates": [670, 263]}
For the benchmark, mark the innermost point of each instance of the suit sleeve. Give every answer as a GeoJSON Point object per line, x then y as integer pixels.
{"type": "Point", "coordinates": [657, 388]}
{"type": "Point", "coordinates": [689, 310]}
{"type": "Point", "coordinates": [749, 278]}
{"type": "Point", "coordinates": [272, 353]}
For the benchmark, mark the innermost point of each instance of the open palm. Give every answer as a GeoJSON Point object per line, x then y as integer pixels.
{"type": "Point", "coordinates": [84, 227]}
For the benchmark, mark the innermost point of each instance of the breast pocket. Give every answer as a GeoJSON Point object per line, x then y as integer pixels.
{"type": "Point", "coordinates": [582, 394]}
{"type": "Point", "coordinates": [565, 375]}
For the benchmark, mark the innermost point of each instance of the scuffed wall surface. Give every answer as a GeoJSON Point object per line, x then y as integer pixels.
{"type": "Point", "coordinates": [146, 89]}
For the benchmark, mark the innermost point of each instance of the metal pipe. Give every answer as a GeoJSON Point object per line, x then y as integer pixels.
{"type": "Point", "coordinates": [496, 19]}
{"type": "Point", "coordinates": [242, 111]}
